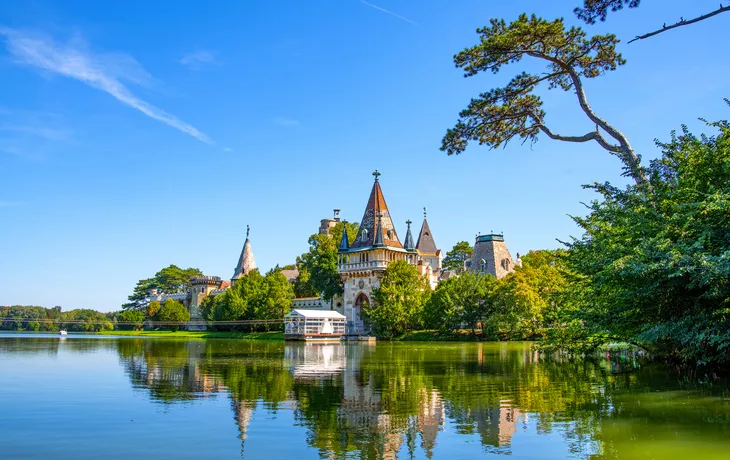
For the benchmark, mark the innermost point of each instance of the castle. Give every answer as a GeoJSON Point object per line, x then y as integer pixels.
{"type": "Point", "coordinates": [362, 264]}
{"type": "Point", "coordinates": [204, 286]}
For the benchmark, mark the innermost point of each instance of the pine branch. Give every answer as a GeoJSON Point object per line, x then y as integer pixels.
{"type": "Point", "coordinates": [682, 22]}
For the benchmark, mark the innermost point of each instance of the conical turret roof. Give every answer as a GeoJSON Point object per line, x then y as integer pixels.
{"type": "Point", "coordinates": [426, 243]}
{"type": "Point", "coordinates": [369, 223]}
{"type": "Point", "coordinates": [408, 245]}
{"type": "Point", "coordinates": [246, 262]}
{"type": "Point", "coordinates": [344, 242]}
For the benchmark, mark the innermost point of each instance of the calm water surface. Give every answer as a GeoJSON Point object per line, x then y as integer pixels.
{"type": "Point", "coordinates": [133, 398]}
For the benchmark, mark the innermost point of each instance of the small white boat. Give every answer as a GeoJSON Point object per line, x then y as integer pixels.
{"type": "Point", "coordinates": [62, 332]}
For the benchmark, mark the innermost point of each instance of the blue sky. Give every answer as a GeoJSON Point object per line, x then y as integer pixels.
{"type": "Point", "coordinates": [138, 134]}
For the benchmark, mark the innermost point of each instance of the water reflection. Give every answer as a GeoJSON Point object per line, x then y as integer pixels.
{"type": "Point", "coordinates": [426, 401]}
{"type": "Point", "coordinates": [383, 401]}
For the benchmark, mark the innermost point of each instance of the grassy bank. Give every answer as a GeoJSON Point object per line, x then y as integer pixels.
{"type": "Point", "coordinates": [199, 334]}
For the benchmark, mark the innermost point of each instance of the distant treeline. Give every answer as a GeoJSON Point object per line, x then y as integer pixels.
{"type": "Point", "coordinates": [40, 319]}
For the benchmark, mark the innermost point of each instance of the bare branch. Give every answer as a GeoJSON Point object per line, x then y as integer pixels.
{"type": "Point", "coordinates": [592, 136]}
{"type": "Point", "coordinates": [682, 22]}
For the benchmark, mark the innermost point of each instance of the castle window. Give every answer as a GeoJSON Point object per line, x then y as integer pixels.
{"type": "Point", "coordinates": [505, 264]}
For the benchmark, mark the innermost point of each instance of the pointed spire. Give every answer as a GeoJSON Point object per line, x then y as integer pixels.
{"type": "Point", "coordinates": [246, 262]}
{"type": "Point", "coordinates": [408, 245]}
{"type": "Point", "coordinates": [369, 224]}
{"type": "Point", "coordinates": [379, 241]}
{"type": "Point", "coordinates": [344, 242]}
{"type": "Point", "coordinates": [426, 243]}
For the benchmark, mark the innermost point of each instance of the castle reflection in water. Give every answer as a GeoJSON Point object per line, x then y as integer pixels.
{"type": "Point", "coordinates": [349, 399]}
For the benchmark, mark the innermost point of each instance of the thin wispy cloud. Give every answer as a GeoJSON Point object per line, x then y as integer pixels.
{"type": "Point", "coordinates": [51, 134]}
{"type": "Point", "coordinates": [380, 8]}
{"type": "Point", "coordinates": [104, 72]}
{"type": "Point", "coordinates": [198, 59]}
{"type": "Point", "coordinates": [286, 121]}
{"type": "Point", "coordinates": [227, 149]}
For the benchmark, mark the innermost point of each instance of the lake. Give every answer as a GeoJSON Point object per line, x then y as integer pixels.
{"type": "Point", "coordinates": [91, 397]}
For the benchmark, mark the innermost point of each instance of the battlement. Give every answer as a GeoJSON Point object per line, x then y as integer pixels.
{"type": "Point", "coordinates": [176, 296]}
{"type": "Point", "coordinates": [208, 280]}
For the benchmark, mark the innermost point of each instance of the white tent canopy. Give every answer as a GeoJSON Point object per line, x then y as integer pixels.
{"type": "Point", "coordinates": [314, 314]}
{"type": "Point", "coordinates": [314, 323]}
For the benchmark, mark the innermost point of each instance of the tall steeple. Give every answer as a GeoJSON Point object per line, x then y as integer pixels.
{"type": "Point", "coordinates": [246, 263]}
{"type": "Point", "coordinates": [426, 243]}
{"type": "Point", "coordinates": [408, 245]}
{"type": "Point", "coordinates": [370, 221]}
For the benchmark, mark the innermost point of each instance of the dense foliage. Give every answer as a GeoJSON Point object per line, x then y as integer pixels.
{"type": "Point", "coordinates": [318, 266]}
{"type": "Point", "coordinates": [461, 302]}
{"type": "Point", "coordinates": [253, 297]}
{"type": "Point", "coordinates": [655, 264]}
{"type": "Point", "coordinates": [39, 319]}
{"type": "Point", "coordinates": [534, 299]}
{"type": "Point", "coordinates": [398, 301]}
{"type": "Point", "coordinates": [135, 317]}
{"type": "Point", "coordinates": [526, 304]}
{"type": "Point", "coordinates": [173, 313]}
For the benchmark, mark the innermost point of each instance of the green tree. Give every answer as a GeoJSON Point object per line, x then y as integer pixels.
{"type": "Point", "coordinates": [138, 299]}
{"type": "Point", "coordinates": [173, 312]}
{"type": "Point", "coordinates": [174, 279]}
{"type": "Point", "coordinates": [303, 284]}
{"type": "Point", "coordinates": [319, 264]}
{"type": "Point", "coordinates": [86, 320]}
{"type": "Point", "coordinates": [466, 300]}
{"type": "Point", "coordinates": [169, 280]}
{"type": "Point", "coordinates": [153, 308]}
{"type": "Point", "coordinates": [657, 275]}
{"type": "Point", "coordinates": [247, 299]}
{"type": "Point", "coordinates": [398, 301]}
{"type": "Point", "coordinates": [279, 296]}
{"type": "Point", "coordinates": [516, 111]}
{"type": "Point", "coordinates": [598, 9]}
{"type": "Point", "coordinates": [532, 299]}
{"type": "Point", "coordinates": [457, 257]}
{"type": "Point", "coordinates": [135, 317]}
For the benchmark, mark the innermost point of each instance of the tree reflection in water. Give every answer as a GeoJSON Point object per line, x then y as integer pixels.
{"type": "Point", "coordinates": [376, 401]}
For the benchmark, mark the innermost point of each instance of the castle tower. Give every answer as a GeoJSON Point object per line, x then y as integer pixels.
{"type": "Point", "coordinates": [246, 263]}
{"type": "Point", "coordinates": [362, 264]}
{"type": "Point", "coordinates": [429, 256]}
{"type": "Point", "coordinates": [326, 225]}
{"type": "Point", "coordinates": [200, 288]}
{"type": "Point", "coordinates": [491, 256]}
